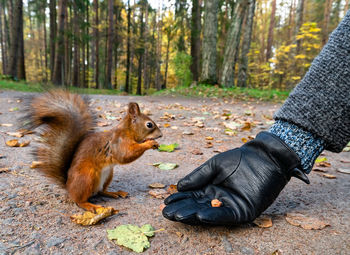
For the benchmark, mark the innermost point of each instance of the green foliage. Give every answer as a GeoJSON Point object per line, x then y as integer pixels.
{"type": "Point", "coordinates": [182, 63]}
{"type": "Point", "coordinates": [204, 90]}
{"type": "Point", "coordinates": [165, 166]}
{"type": "Point", "coordinates": [132, 236]}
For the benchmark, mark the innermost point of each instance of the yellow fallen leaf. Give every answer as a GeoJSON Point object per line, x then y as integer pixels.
{"type": "Point", "coordinates": [300, 220]}
{"type": "Point", "coordinates": [13, 143]}
{"type": "Point", "coordinates": [156, 185]}
{"type": "Point", "coordinates": [329, 176]}
{"type": "Point", "coordinates": [89, 218]}
{"type": "Point", "coordinates": [24, 144]}
{"type": "Point", "coordinates": [36, 164]}
{"type": "Point", "coordinates": [244, 140]}
{"type": "Point", "coordinates": [158, 193]}
{"type": "Point", "coordinates": [263, 222]}
{"type": "Point", "coordinates": [166, 125]}
{"type": "Point", "coordinates": [4, 170]}
{"type": "Point", "coordinates": [209, 138]}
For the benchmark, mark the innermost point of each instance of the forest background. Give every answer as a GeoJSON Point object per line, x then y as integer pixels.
{"type": "Point", "coordinates": [140, 46]}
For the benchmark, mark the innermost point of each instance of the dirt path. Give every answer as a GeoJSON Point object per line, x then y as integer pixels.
{"type": "Point", "coordinates": [34, 214]}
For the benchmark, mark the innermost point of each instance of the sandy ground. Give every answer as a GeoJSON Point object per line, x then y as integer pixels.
{"type": "Point", "coordinates": [34, 213]}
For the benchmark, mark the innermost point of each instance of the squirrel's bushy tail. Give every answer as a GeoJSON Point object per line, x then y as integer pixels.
{"type": "Point", "coordinates": [65, 119]}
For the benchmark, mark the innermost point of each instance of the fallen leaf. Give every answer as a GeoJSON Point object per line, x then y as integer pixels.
{"type": "Point", "coordinates": [221, 149]}
{"type": "Point", "coordinates": [344, 161]}
{"type": "Point", "coordinates": [15, 134]}
{"type": "Point", "coordinates": [168, 148]}
{"type": "Point", "coordinates": [158, 193]}
{"type": "Point", "coordinates": [13, 143]}
{"type": "Point", "coordinates": [36, 164]}
{"type": "Point", "coordinates": [209, 145]}
{"type": "Point", "coordinates": [323, 164]}
{"type": "Point", "coordinates": [89, 218]}
{"type": "Point", "coordinates": [298, 219]}
{"type": "Point", "coordinates": [277, 252]}
{"type": "Point", "coordinates": [179, 234]}
{"type": "Point", "coordinates": [200, 124]}
{"type": "Point", "coordinates": [103, 124]}
{"type": "Point", "coordinates": [216, 203]}
{"type": "Point", "coordinates": [263, 222]}
{"type": "Point", "coordinates": [98, 108]}
{"type": "Point", "coordinates": [122, 194]}
{"type": "Point", "coordinates": [166, 125]}
{"type": "Point", "coordinates": [6, 125]}
{"type": "Point", "coordinates": [209, 138]}
{"type": "Point", "coordinates": [320, 159]}
{"type": "Point", "coordinates": [161, 207]}
{"type": "Point", "coordinates": [319, 170]}
{"type": "Point", "coordinates": [165, 166]}
{"type": "Point", "coordinates": [343, 170]}
{"type": "Point", "coordinates": [24, 144]}
{"type": "Point", "coordinates": [232, 125]}
{"type": "Point", "coordinates": [196, 152]}
{"type": "Point", "coordinates": [247, 126]}
{"type": "Point", "coordinates": [131, 236]}
{"type": "Point", "coordinates": [187, 133]}
{"type": "Point", "coordinates": [329, 176]}
{"type": "Point", "coordinates": [244, 139]}
{"type": "Point", "coordinates": [172, 189]}
{"type": "Point", "coordinates": [156, 185]}
{"type": "Point", "coordinates": [230, 132]}
{"type": "Point", "coordinates": [4, 170]}
{"type": "Point", "coordinates": [13, 109]}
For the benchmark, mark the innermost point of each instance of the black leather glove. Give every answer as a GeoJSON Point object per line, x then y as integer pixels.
{"type": "Point", "coordinates": [246, 180]}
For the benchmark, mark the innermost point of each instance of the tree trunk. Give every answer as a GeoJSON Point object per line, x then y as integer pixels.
{"type": "Point", "coordinates": [210, 28]}
{"type": "Point", "coordinates": [53, 34]}
{"type": "Point", "coordinates": [243, 68]}
{"type": "Point", "coordinates": [58, 73]}
{"type": "Point", "coordinates": [159, 46]}
{"type": "Point", "coordinates": [146, 73]}
{"type": "Point", "coordinates": [76, 56]}
{"type": "Point", "coordinates": [232, 44]}
{"type": "Point", "coordinates": [127, 79]}
{"type": "Point", "coordinates": [2, 43]}
{"type": "Point", "coordinates": [326, 18]}
{"type": "Point", "coordinates": [196, 39]}
{"type": "Point", "coordinates": [270, 36]}
{"type": "Point", "coordinates": [45, 42]}
{"type": "Point", "coordinates": [15, 38]}
{"type": "Point", "coordinates": [96, 38]}
{"type": "Point", "coordinates": [21, 72]}
{"type": "Point", "coordinates": [141, 52]}
{"type": "Point", "coordinates": [299, 22]}
{"type": "Point", "coordinates": [346, 7]}
{"type": "Point", "coordinates": [166, 63]}
{"type": "Point", "coordinates": [108, 80]}
{"type": "Point", "coordinates": [87, 44]}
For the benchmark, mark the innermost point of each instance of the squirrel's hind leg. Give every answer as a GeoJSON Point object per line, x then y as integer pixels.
{"type": "Point", "coordinates": [106, 193]}
{"type": "Point", "coordinates": [89, 206]}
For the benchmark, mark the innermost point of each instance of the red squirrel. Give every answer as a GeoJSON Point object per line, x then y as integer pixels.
{"type": "Point", "coordinates": [75, 156]}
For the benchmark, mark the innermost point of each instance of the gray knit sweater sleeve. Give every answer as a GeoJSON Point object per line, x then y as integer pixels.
{"type": "Point", "coordinates": [320, 103]}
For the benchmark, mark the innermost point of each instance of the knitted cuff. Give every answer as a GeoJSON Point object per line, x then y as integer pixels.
{"type": "Point", "coordinates": [306, 145]}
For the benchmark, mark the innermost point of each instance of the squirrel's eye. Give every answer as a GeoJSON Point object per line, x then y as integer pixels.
{"type": "Point", "coordinates": [149, 125]}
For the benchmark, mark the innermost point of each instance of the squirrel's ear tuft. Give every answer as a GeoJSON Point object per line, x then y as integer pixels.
{"type": "Point", "coordinates": [133, 109]}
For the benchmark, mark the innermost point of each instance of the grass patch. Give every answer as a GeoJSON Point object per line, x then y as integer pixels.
{"type": "Point", "coordinates": [36, 87]}
{"type": "Point", "coordinates": [203, 90]}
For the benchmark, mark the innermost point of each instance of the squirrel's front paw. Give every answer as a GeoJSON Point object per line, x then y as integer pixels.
{"type": "Point", "coordinates": [152, 144]}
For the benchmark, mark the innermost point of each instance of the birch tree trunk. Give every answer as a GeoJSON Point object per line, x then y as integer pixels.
{"type": "Point", "coordinates": [243, 68]}
{"type": "Point", "coordinates": [232, 44]}
{"type": "Point", "coordinates": [108, 80]}
{"type": "Point", "coordinates": [270, 36]}
{"type": "Point", "coordinates": [210, 29]}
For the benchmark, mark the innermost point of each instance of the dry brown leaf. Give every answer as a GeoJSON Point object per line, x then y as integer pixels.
{"type": "Point", "coordinates": [277, 252]}
{"type": "Point", "coordinates": [98, 108]}
{"type": "Point", "coordinates": [122, 194]}
{"type": "Point", "coordinates": [216, 203]}
{"type": "Point", "coordinates": [24, 144]}
{"type": "Point", "coordinates": [89, 218]}
{"type": "Point", "coordinates": [179, 234]}
{"type": "Point", "coordinates": [220, 149]}
{"type": "Point", "coordinates": [209, 145]}
{"type": "Point", "coordinates": [103, 124]}
{"type": "Point", "coordinates": [13, 143]}
{"type": "Point", "coordinates": [209, 138]}
{"type": "Point", "coordinates": [158, 193]}
{"type": "Point", "coordinates": [187, 133]}
{"type": "Point", "coordinates": [247, 126]}
{"type": "Point", "coordinates": [15, 134]}
{"type": "Point", "coordinates": [343, 170]}
{"type": "Point", "coordinates": [36, 164]}
{"type": "Point", "coordinates": [166, 125]}
{"type": "Point", "coordinates": [319, 170]}
{"type": "Point", "coordinates": [300, 220]}
{"type": "Point", "coordinates": [244, 139]}
{"type": "Point", "coordinates": [200, 125]}
{"type": "Point", "coordinates": [263, 222]}
{"type": "Point", "coordinates": [156, 185]}
{"type": "Point", "coordinates": [172, 189]}
{"type": "Point", "coordinates": [196, 152]}
{"type": "Point", "coordinates": [4, 170]}
{"type": "Point", "coordinates": [329, 176]}
{"type": "Point", "coordinates": [323, 164]}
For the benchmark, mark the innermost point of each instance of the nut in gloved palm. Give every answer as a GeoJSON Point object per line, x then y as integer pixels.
{"type": "Point", "coordinates": [246, 180]}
